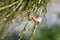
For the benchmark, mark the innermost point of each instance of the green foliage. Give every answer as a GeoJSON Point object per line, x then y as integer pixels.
{"type": "Point", "coordinates": [13, 19]}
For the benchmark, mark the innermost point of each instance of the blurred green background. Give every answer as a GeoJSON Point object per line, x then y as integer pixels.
{"type": "Point", "coordinates": [14, 24]}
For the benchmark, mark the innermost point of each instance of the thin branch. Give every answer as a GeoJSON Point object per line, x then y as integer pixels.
{"type": "Point", "coordinates": [13, 10]}
{"type": "Point", "coordinates": [8, 6]}
{"type": "Point", "coordinates": [34, 30]}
